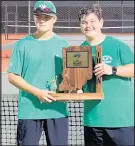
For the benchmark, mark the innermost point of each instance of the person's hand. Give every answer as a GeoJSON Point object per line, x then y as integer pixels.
{"type": "Point", "coordinates": [43, 96]}
{"type": "Point", "coordinates": [102, 69]}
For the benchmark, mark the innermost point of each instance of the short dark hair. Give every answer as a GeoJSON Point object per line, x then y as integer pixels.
{"type": "Point", "coordinates": [96, 9]}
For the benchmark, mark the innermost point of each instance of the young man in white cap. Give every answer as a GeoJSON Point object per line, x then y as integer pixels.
{"type": "Point", "coordinates": [109, 121]}
{"type": "Point", "coordinates": [34, 67]}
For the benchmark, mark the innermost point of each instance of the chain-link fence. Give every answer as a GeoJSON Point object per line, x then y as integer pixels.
{"type": "Point", "coordinates": [17, 16]}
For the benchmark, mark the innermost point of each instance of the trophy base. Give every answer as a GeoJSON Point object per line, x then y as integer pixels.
{"type": "Point", "coordinates": [77, 96]}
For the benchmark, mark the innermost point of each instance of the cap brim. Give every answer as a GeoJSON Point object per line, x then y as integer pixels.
{"type": "Point", "coordinates": [49, 14]}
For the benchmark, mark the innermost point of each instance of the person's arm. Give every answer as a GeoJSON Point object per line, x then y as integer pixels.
{"type": "Point", "coordinates": [15, 68]}
{"type": "Point", "coordinates": [19, 82]}
{"type": "Point", "coordinates": [126, 71]}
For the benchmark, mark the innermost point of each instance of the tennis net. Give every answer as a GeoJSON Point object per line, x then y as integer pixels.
{"type": "Point", "coordinates": [9, 111]}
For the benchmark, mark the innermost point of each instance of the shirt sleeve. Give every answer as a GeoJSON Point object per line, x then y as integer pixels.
{"type": "Point", "coordinates": [126, 54]}
{"type": "Point", "coordinates": [16, 60]}
{"type": "Point", "coordinates": [66, 44]}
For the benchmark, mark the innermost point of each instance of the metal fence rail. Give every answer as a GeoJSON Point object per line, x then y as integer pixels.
{"type": "Point", "coordinates": [115, 13]}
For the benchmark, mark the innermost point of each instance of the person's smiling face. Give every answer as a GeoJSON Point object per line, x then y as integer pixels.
{"type": "Point", "coordinates": [44, 23]}
{"type": "Point", "coordinates": [91, 25]}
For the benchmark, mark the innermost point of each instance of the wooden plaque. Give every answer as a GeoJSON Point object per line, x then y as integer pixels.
{"type": "Point", "coordinates": [77, 69]}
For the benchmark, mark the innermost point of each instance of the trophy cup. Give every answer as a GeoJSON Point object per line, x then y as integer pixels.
{"type": "Point", "coordinates": [77, 69]}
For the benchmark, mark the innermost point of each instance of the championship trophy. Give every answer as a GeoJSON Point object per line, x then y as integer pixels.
{"type": "Point", "coordinates": [77, 70]}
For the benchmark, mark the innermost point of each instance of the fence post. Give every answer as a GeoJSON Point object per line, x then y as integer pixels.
{"type": "Point", "coordinates": [16, 19]}
{"type": "Point", "coordinates": [29, 16]}
{"type": "Point", "coordinates": [122, 15]}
